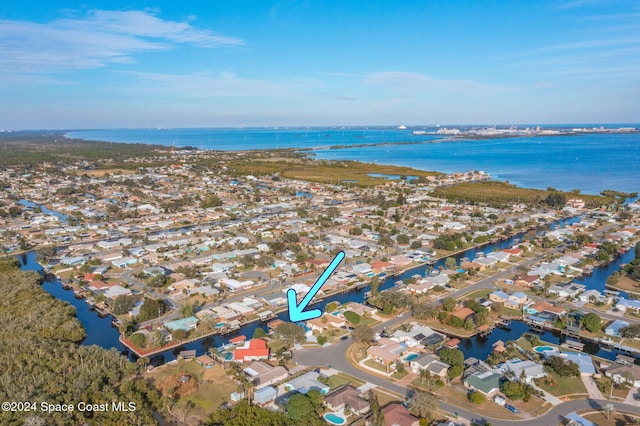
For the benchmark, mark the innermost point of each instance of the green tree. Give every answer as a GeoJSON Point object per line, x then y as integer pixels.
{"type": "Point", "coordinates": [477, 397]}
{"type": "Point", "coordinates": [449, 304]}
{"type": "Point", "coordinates": [513, 390]}
{"type": "Point", "coordinates": [376, 418]}
{"type": "Point", "coordinates": [150, 309]}
{"type": "Point", "coordinates": [289, 333]}
{"type": "Point", "coordinates": [423, 403]}
{"type": "Point", "coordinates": [452, 356]}
{"type": "Point", "coordinates": [592, 322]}
{"type": "Point", "coordinates": [450, 263]}
{"type": "Point", "coordinates": [299, 407]}
{"type": "Point", "coordinates": [123, 304]}
{"type": "Point", "coordinates": [363, 334]}
{"type": "Point", "coordinates": [375, 284]}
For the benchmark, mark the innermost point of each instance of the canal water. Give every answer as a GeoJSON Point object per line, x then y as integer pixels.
{"type": "Point", "coordinates": [100, 331]}
{"type": "Point", "coordinates": [63, 217]}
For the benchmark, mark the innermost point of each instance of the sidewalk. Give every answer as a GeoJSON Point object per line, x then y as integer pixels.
{"type": "Point", "coordinates": [554, 400]}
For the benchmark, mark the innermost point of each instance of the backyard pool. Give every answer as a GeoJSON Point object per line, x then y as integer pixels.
{"type": "Point", "coordinates": [334, 419]}
{"type": "Point", "coordinates": [541, 349]}
{"type": "Point", "coordinates": [411, 357]}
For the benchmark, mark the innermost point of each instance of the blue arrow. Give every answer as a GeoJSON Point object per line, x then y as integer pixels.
{"type": "Point", "coordinates": [297, 312]}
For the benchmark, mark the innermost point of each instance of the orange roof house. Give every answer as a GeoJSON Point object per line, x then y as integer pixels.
{"type": "Point", "coordinates": [253, 350]}
{"type": "Point", "coordinates": [462, 313]}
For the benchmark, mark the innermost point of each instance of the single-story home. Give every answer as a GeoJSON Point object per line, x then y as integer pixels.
{"type": "Point", "coordinates": [346, 396]}
{"type": "Point", "coordinates": [613, 329]}
{"type": "Point", "coordinates": [487, 383]}
{"type": "Point", "coordinates": [307, 382]}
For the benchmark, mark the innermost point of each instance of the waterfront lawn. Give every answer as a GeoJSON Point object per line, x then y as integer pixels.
{"type": "Point", "coordinates": [561, 386]}
{"type": "Point", "coordinates": [524, 344]}
{"type": "Point", "coordinates": [627, 284]}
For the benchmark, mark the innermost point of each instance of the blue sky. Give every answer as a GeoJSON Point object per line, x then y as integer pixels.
{"type": "Point", "coordinates": [253, 63]}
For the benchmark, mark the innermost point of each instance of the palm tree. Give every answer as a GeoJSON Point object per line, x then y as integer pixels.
{"type": "Point", "coordinates": [609, 409]}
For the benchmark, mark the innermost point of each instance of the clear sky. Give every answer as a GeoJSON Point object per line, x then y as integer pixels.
{"type": "Point", "coordinates": [64, 64]}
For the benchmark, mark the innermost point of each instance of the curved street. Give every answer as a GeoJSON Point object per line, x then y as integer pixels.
{"type": "Point", "coordinates": [334, 356]}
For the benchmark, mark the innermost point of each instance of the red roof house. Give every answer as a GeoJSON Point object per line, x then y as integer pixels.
{"type": "Point", "coordinates": [253, 350]}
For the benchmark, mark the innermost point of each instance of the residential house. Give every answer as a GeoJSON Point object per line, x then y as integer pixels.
{"type": "Point", "coordinates": [540, 307]}
{"type": "Point", "coordinates": [253, 350]}
{"type": "Point", "coordinates": [264, 395]}
{"type": "Point", "coordinates": [628, 304]}
{"type": "Point", "coordinates": [567, 290]}
{"type": "Point", "coordinates": [386, 352]}
{"type": "Point", "coordinates": [463, 313]}
{"type": "Point", "coordinates": [431, 363]}
{"type": "Point", "coordinates": [531, 370]}
{"type": "Point", "coordinates": [487, 383]}
{"type": "Point", "coordinates": [498, 296]}
{"type": "Point", "coordinates": [307, 382]}
{"type": "Point", "coordinates": [396, 414]}
{"type": "Point", "coordinates": [517, 300]}
{"type": "Point", "coordinates": [346, 396]}
{"type": "Point", "coordinates": [627, 374]}
{"type": "Point", "coordinates": [417, 335]}
{"type": "Point", "coordinates": [613, 329]}
{"type": "Point", "coordinates": [262, 374]}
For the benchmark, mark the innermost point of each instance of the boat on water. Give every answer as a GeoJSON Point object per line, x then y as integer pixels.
{"type": "Point", "coordinates": [79, 293]}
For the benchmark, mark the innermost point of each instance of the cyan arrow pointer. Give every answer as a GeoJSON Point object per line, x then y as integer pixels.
{"type": "Point", "coordinates": [297, 312]}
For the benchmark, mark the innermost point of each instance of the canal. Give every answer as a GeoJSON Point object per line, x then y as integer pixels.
{"type": "Point", "coordinates": [101, 333]}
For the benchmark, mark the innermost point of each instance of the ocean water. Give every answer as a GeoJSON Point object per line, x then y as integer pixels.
{"type": "Point", "coordinates": [590, 162]}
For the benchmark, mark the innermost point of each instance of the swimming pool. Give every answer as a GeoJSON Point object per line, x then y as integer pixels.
{"type": "Point", "coordinates": [334, 419]}
{"type": "Point", "coordinates": [541, 349]}
{"type": "Point", "coordinates": [411, 357]}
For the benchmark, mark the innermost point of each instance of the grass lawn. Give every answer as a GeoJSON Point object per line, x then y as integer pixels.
{"type": "Point", "coordinates": [627, 284]}
{"type": "Point", "coordinates": [479, 293]}
{"type": "Point", "coordinates": [615, 420]}
{"type": "Point", "coordinates": [376, 365]}
{"type": "Point", "coordinates": [337, 380]}
{"type": "Point", "coordinates": [214, 387]}
{"type": "Point", "coordinates": [384, 398]}
{"type": "Point", "coordinates": [524, 344]}
{"type": "Point", "coordinates": [562, 385]}
{"type": "Point", "coordinates": [368, 321]}
{"type": "Point", "coordinates": [398, 375]}
{"type": "Point", "coordinates": [620, 391]}
{"type": "Point", "coordinates": [488, 408]}
{"type": "Point", "coordinates": [426, 386]}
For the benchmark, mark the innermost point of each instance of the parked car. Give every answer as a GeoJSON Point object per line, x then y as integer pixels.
{"type": "Point", "coordinates": [344, 337]}
{"type": "Point", "coordinates": [511, 408]}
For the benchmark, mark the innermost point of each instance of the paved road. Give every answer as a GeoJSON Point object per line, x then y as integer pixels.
{"type": "Point", "coordinates": [334, 355]}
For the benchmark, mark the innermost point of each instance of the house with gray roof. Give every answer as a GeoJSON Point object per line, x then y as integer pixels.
{"type": "Point", "coordinates": [487, 383]}
{"type": "Point", "coordinates": [346, 396]}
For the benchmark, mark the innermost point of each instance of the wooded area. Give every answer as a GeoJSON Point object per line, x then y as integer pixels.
{"type": "Point", "coordinates": [40, 361]}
